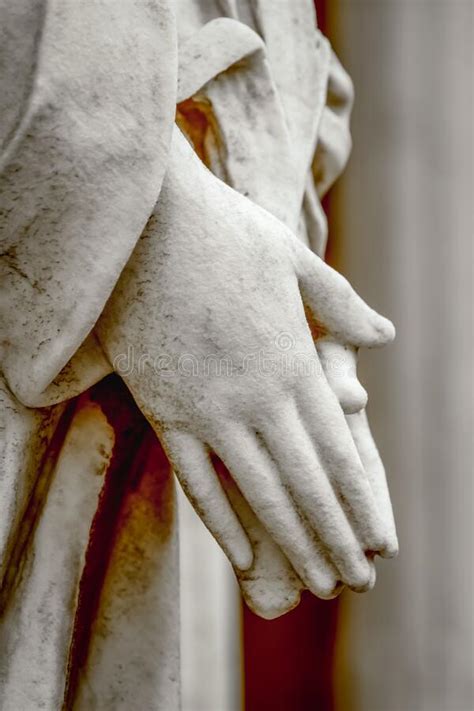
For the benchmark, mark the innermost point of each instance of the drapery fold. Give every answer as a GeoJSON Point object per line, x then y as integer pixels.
{"type": "Point", "coordinates": [79, 178]}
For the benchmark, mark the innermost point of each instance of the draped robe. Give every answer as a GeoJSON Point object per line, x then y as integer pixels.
{"type": "Point", "coordinates": [88, 529]}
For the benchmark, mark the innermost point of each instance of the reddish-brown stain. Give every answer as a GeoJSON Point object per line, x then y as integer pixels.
{"type": "Point", "coordinates": [130, 448]}
{"type": "Point", "coordinates": [196, 119]}
{"type": "Point", "coordinates": [39, 492]}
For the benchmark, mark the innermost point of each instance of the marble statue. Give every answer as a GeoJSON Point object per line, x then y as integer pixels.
{"type": "Point", "coordinates": [163, 293]}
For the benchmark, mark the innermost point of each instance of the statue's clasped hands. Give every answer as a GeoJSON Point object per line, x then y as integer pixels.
{"type": "Point", "coordinates": [215, 284]}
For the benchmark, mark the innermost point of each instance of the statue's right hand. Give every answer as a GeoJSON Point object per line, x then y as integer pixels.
{"type": "Point", "coordinates": [207, 327]}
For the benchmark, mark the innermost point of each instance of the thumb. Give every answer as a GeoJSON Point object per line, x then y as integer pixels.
{"type": "Point", "coordinates": [334, 305]}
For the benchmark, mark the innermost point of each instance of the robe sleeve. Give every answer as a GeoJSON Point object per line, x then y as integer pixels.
{"type": "Point", "coordinates": [83, 157]}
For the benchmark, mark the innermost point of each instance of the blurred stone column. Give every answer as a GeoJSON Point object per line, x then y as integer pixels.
{"type": "Point", "coordinates": [402, 232]}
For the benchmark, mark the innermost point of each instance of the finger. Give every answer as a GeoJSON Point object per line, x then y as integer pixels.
{"type": "Point", "coordinates": [373, 465]}
{"type": "Point", "coordinates": [312, 490]}
{"type": "Point", "coordinates": [334, 304]}
{"type": "Point", "coordinates": [335, 358]}
{"type": "Point", "coordinates": [259, 481]}
{"type": "Point", "coordinates": [328, 429]}
{"type": "Point", "coordinates": [191, 462]}
{"type": "Point", "coordinates": [340, 368]}
{"type": "Point", "coordinates": [270, 587]}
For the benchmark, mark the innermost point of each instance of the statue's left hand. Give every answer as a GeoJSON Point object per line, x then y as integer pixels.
{"type": "Point", "coordinates": [271, 587]}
